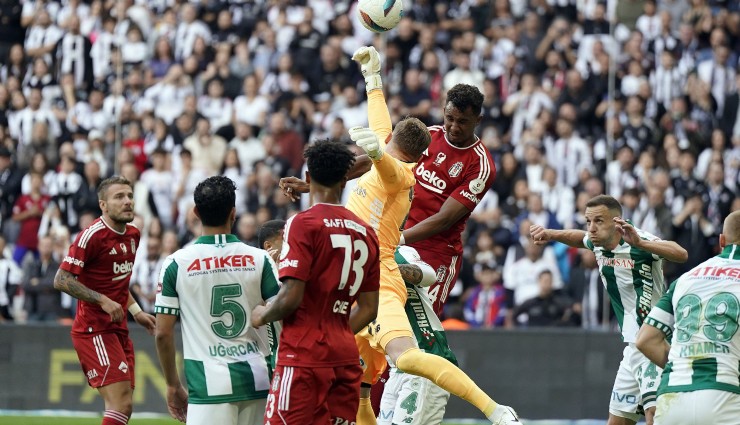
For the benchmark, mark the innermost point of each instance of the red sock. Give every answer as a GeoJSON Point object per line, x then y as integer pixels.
{"type": "Point", "coordinates": [112, 417]}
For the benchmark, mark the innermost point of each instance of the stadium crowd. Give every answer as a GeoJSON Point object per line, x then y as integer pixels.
{"type": "Point", "coordinates": [168, 92]}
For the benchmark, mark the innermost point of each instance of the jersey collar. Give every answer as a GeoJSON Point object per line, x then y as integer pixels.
{"type": "Point", "coordinates": [731, 252]}
{"type": "Point", "coordinates": [217, 239]}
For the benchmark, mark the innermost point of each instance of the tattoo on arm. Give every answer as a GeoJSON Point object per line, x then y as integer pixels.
{"type": "Point", "coordinates": [411, 273]}
{"type": "Point", "coordinates": [68, 283]}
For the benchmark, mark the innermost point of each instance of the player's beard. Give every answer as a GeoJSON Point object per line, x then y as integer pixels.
{"type": "Point", "coordinates": [122, 218]}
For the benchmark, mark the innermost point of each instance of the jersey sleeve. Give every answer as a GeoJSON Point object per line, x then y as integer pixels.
{"type": "Point", "coordinates": [269, 286]}
{"type": "Point", "coordinates": [648, 237]}
{"type": "Point", "coordinates": [378, 116]}
{"type": "Point", "coordinates": [477, 181]}
{"type": "Point", "coordinates": [296, 256]}
{"type": "Point", "coordinates": [587, 242]}
{"type": "Point", "coordinates": [167, 301]}
{"type": "Point", "coordinates": [83, 248]}
{"type": "Point", "coordinates": [372, 267]}
{"type": "Point", "coordinates": [661, 316]}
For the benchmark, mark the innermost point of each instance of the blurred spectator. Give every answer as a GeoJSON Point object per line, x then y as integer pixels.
{"type": "Point", "coordinates": [208, 150]}
{"type": "Point", "coordinates": [145, 274]}
{"type": "Point", "coordinates": [485, 304]}
{"type": "Point", "coordinates": [547, 308]}
{"type": "Point", "coordinates": [10, 280]}
{"type": "Point", "coordinates": [28, 210]}
{"type": "Point", "coordinates": [520, 276]}
{"type": "Point", "coordinates": [587, 291]}
{"type": "Point", "coordinates": [42, 301]}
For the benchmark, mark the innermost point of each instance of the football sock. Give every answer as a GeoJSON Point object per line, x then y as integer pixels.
{"type": "Point", "coordinates": [365, 414]}
{"type": "Point", "coordinates": [447, 376]}
{"type": "Point", "coordinates": [113, 417]}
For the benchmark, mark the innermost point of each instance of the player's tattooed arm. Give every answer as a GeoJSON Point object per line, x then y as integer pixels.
{"type": "Point", "coordinates": [67, 282]}
{"type": "Point", "coordinates": [411, 273]}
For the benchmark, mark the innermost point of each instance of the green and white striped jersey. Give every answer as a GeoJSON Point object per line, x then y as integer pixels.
{"type": "Point", "coordinates": [703, 306]}
{"type": "Point", "coordinates": [428, 330]}
{"type": "Point", "coordinates": [633, 279]}
{"type": "Point", "coordinates": [213, 285]}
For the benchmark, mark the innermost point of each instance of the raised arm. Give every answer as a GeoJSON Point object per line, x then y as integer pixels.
{"type": "Point", "coordinates": [669, 250]}
{"type": "Point", "coordinates": [542, 236]}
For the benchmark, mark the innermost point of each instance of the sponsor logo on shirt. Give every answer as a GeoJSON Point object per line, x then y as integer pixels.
{"type": "Point", "coordinates": [74, 261]}
{"type": "Point", "coordinates": [122, 269]}
{"type": "Point", "coordinates": [716, 272]}
{"type": "Point", "coordinates": [210, 263]}
{"type": "Point", "coordinates": [430, 177]}
{"type": "Point", "coordinates": [113, 251]}
{"type": "Point", "coordinates": [288, 263]}
{"type": "Point", "coordinates": [622, 263]}
{"type": "Point", "coordinates": [469, 196]}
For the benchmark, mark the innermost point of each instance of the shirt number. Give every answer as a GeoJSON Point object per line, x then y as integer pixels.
{"type": "Point", "coordinates": [345, 243]}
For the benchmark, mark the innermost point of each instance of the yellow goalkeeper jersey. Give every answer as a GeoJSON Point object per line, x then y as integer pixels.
{"type": "Point", "coordinates": [383, 195]}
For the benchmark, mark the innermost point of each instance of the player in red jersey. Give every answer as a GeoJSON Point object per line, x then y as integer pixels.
{"type": "Point", "coordinates": [452, 177]}
{"type": "Point", "coordinates": [97, 271]}
{"type": "Point", "coordinates": [329, 260]}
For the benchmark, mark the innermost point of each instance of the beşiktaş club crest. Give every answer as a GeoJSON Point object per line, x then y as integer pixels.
{"type": "Point", "coordinates": [441, 272]}
{"type": "Point", "coordinates": [440, 158]}
{"type": "Point", "coordinates": [455, 169]}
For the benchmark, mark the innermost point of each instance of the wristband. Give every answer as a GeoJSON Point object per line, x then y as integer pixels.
{"type": "Point", "coordinates": [402, 240]}
{"type": "Point", "coordinates": [373, 82]}
{"type": "Point", "coordinates": [134, 309]}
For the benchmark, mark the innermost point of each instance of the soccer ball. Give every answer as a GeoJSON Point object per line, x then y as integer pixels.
{"type": "Point", "coordinates": [380, 15]}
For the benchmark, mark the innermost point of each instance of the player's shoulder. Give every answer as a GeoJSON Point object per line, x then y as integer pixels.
{"type": "Point", "coordinates": [97, 229]}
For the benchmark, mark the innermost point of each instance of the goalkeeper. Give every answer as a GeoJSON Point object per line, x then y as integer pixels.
{"type": "Point", "coordinates": [383, 198]}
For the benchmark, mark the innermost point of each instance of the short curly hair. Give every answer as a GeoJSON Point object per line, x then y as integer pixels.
{"type": "Point", "coordinates": [328, 161]}
{"type": "Point", "coordinates": [464, 96]}
{"type": "Point", "coordinates": [214, 198]}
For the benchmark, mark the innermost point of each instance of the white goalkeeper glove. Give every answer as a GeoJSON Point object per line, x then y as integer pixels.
{"type": "Point", "coordinates": [369, 61]}
{"type": "Point", "coordinates": [368, 141]}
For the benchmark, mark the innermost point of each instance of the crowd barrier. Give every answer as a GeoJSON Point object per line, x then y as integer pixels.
{"type": "Point", "coordinates": [544, 374]}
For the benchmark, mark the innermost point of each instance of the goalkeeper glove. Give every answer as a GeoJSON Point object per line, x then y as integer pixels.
{"type": "Point", "coordinates": [369, 61]}
{"type": "Point", "coordinates": [368, 141]}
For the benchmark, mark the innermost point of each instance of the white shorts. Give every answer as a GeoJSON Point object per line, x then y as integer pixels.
{"type": "Point", "coordinates": [702, 407]}
{"type": "Point", "coordinates": [411, 399]}
{"type": "Point", "coordinates": [635, 385]}
{"type": "Point", "coordinates": [250, 412]}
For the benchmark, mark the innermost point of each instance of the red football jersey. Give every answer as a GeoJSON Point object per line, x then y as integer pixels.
{"type": "Point", "coordinates": [444, 171]}
{"type": "Point", "coordinates": [336, 254]}
{"type": "Point", "coordinates": [102, 260]}
{"type": "Point", "coordinates": [28, 235]}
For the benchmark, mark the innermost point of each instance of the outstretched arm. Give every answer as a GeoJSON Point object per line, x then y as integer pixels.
{"type": "Point", "coordinates": [542, 236]}
{"type": "Point", "coordinates": [669, 250]}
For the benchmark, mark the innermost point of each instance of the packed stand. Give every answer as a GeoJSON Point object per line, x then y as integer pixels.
{"type": "Point", "coordinates": [169, 92]}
